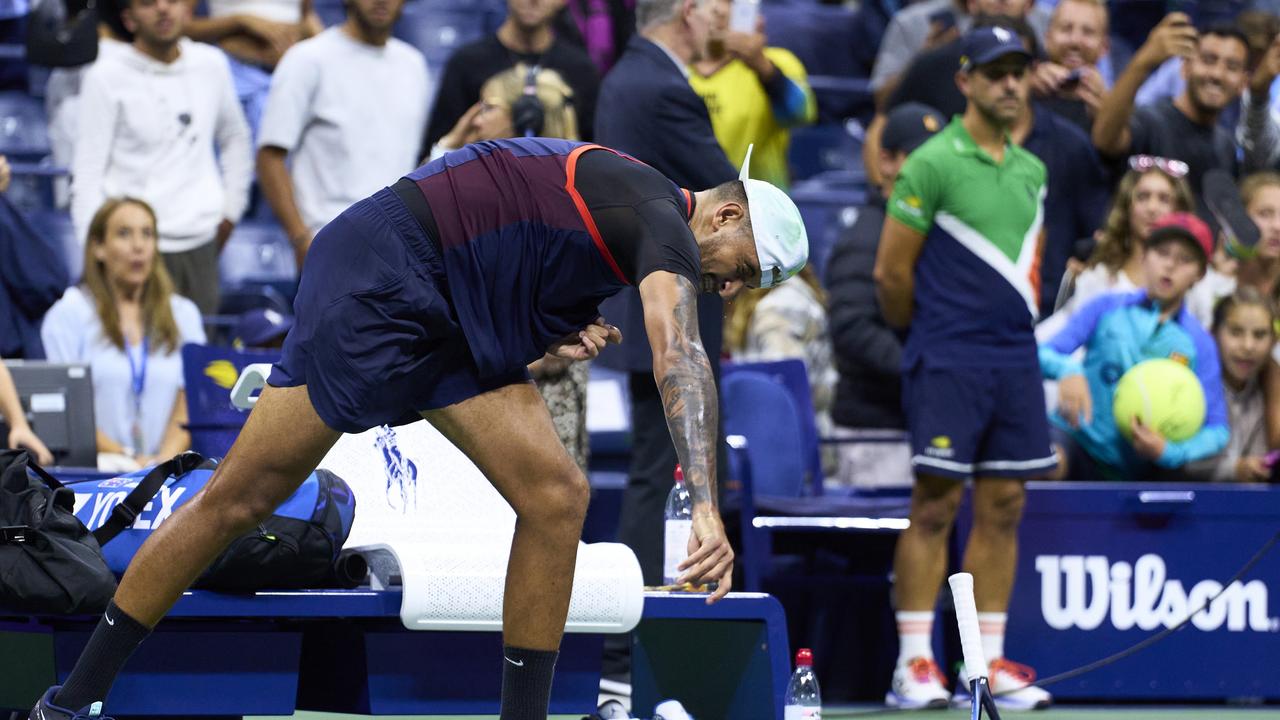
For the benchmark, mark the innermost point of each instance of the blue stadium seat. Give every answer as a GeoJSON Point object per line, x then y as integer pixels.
{"type": "Point", "coordinates": [439, 27]}
{"type": "Point", "coordinates": [819, 35]}
{"type": "Point", "coordinates": [822, 148]}
{"type": "Point", "coordinates": [331, 12]}
{"type": "Point", "coordinates": [791, 377]}
{"type": "Point", "coordinates": [768, 406]}
{"type": "Point", "coordinates": [762, 410]}
{"type": "Point", "coordinates": [258, 253]}
{"type": "Point", "coordinates": [56, 224]}
{"type": "Point", "coordinates": [24, 127]}
{"type": "Point", "coordinates": [210, 373]}
{"type": "Point", "coordinates": [240, 300]}
{"type": "Point", "coordinates": [829, 203]}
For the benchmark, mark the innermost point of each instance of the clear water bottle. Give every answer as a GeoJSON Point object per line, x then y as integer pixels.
{"type": "Point", "coordinates": [678, 525]}
{"type": "Point", "coordinates": [804, 701]}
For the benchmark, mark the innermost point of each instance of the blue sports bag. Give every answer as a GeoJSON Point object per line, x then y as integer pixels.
{"type": "Point", "coordinates": [297, 547]}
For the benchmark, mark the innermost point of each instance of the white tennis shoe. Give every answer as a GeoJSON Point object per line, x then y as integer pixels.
{"type": "Point", "coordinates": [918, 684]}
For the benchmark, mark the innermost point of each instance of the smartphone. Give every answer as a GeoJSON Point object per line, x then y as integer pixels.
{"type": "Point", "coordinates": [1071, 80]}
{"type": "Point", "coordinates": [742, 17]}
{"type": "Point", "coordinates": [944, 19]}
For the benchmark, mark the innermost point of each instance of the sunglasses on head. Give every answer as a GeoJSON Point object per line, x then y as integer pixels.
{"type": "Point", "coordinates": [1168, 166]}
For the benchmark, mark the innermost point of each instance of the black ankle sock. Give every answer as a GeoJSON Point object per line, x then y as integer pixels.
{"type": "Point", "coordinates": [526, 683]}
{"type": "Point", "coordinates": [111, 644]}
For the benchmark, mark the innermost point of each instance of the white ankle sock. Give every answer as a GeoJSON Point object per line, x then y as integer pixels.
{"type": "Point", "coordinates": [991, 625]}
{"type": "Point", "coordinates": [915, 635]}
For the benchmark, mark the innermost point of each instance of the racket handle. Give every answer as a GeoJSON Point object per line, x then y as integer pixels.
{"type": "Point", "coordinates": [975, 664]}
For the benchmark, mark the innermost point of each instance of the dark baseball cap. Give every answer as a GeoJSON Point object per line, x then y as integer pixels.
{"type": "Point", "coordinates": [907, 126]}
{"type": "Point", "coordinates": [1185, 227]}
{"type": "Point", "coordinates": [988, 44]}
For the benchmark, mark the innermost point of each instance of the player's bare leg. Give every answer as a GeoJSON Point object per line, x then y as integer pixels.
{"type": "Point", "coordinates": [508, 434]}
{"type": "Point", "coordinates": [281, 443]}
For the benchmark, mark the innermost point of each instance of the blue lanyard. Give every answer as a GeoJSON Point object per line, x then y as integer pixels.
{"type": "Point", "coordinates": [138, 370]}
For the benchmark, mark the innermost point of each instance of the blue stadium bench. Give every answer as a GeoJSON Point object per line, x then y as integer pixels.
{"type": "Point", "coordinates": [272, 653]}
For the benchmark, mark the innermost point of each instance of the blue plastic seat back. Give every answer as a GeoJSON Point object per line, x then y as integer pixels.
{"type": "Point", "coordinates": [760, 409]}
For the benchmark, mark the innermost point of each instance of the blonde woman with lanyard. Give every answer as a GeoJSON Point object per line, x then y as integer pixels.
{"type": "Point", "coordinates": [127, 324]}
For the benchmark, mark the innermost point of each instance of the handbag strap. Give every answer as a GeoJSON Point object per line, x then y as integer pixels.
{"type": "Point", "coordinates": [53, 482]}
{"type": "Point", "coordinates": [123, 515]}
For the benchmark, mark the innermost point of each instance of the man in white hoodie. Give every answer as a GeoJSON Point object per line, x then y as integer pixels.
{"type": "Point", "coordinates": [150, 119]}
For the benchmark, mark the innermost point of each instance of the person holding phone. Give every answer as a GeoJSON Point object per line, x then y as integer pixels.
{"type": "Point", "coordinates": [754, 93]}
{"type": "Point", "coordinates": [1186, 128]}
{"type": "Point", "coordinates": [1068, 82]}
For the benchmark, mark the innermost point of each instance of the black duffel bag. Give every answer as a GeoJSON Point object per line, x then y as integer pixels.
{"type": "Point", "coordinates": [49, 563]}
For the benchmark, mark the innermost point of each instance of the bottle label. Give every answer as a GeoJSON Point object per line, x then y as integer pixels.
{"type": "Point", "coordinates": [796, 712]}
{"type": "Point", "coordinates": [675, 548]}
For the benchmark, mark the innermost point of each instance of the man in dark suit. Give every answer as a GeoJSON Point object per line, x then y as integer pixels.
{"type": "Point", "coordinates": [647, 109]}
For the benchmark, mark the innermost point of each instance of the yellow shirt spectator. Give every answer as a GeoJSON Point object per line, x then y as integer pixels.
{"type": "Point", "coordinates": [745, 111]}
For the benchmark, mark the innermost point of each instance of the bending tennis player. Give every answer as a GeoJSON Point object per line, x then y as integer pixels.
{"type": "Point", "coordinates": [428, 299]}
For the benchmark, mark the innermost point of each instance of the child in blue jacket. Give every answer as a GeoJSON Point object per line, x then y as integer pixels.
{"type": "Point", "coordinates": [1120, 330]}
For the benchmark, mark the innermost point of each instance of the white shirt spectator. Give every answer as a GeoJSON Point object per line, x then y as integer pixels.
{"type": "Point", "coordinates": [351, 116]}
{"type": "Point", "coordinates": [72, 333]}
{"type": "Point", "coordinates": [148, 130]}
{"type": "Point", "coordinates": [62, 104]}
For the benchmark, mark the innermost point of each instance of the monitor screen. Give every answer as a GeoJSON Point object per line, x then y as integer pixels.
{"type": "Point", "coordinates": [58, 401]}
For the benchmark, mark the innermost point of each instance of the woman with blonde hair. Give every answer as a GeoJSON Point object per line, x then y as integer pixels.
{"type": "Point", "coordinates": [126, 323]}
{"type": "Point", "coordinates": [505, 110]}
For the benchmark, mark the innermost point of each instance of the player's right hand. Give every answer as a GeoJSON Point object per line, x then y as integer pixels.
{"type": "Point", "coordinates": [588, 343]}
{"type": "Point", "coordinates": [1074, 403]}
{"type": "Point", "coordinates": [710, 556]}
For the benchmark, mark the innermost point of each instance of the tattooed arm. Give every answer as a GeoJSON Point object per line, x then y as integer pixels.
{"type": "Point", "coordinates": [683, 374]}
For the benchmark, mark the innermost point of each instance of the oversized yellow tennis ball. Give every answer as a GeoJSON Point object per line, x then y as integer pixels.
{"type": "Point", "coordinates": [1167, 396]}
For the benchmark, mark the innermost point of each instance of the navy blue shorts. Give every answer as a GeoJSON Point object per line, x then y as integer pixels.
{"type": "Point", "coordinates": [376, 339]}
{"type": "Point", "coordinates": [984, 422]}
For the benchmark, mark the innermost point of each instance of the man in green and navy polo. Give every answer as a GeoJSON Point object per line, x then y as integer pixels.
{"type": "Point", "coordinates": [959, 264]}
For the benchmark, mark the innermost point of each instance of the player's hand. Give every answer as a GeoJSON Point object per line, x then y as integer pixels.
{"type": "Point", "coordinates": [588, 343]}
{"type": "Point", "coordinates": [1252, 469]}
{"type": "Point", "coordinates": [23, 437]}
{"type": "Point", "coordinates": [1147, 441]}
{"type": "Point", "coordinates": [548, 366]}
{"type": "Point", "coordinates": [1075, 405]}
{"type": "Point", "coordinates": [710, 556]}
{"type": "Point", "coordinates": [1175, 36]}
